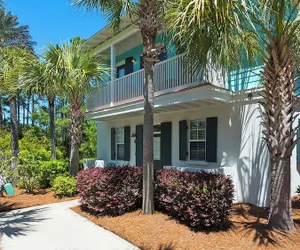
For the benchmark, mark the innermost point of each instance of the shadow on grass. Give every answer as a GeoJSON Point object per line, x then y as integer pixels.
{"type": "Point", "coordinates": [19, 223]}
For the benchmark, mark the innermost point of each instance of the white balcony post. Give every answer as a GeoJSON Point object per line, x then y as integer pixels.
{"type": "Point", "coordinates": [113, 71]}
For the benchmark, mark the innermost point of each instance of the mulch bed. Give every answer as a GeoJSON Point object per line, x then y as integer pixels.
{"type": "Point", "coordinates": [22, 200]}
{"type": "Point", "coordinates": [249, 230]}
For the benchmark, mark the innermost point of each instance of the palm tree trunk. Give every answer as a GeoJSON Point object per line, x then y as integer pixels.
{"type": "Point", "coordinates": [28, 110]}
{"type": "Point", "coordinates": [14, 132]}
{"type": "Point", "coordinates": [278, 116]}
{"type": "Point", "coordinates": [148, 28]}
{"type": "Point", "coordinates": [1, 112]}
{"type": "Point", "coordinates": [51, 101]}
{"type": "Point", "coordinates": [76, 136]}
{"type": "Point", "coordinates": [32, 110]}
{"type": "Point", "coordinates": [18, 105]}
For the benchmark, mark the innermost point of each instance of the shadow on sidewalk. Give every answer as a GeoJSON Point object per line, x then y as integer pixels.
{"type": "Point", "coordinates": [19, 223]}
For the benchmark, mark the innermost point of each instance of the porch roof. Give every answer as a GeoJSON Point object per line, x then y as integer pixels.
{"type": "Point", "coordinates": [200, 95]}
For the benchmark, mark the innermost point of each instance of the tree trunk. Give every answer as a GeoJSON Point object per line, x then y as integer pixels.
{"type": "Point", "coordinates": [32, 110]}
{"type": "Point", "coordinates": [278, 116]}
{"type": "Point", "coordinates": [24, 111]}
{"type": "Point", "coordinates": [51, 101]}
{"type": "Point", "coordinates": [14, 132]}
{"type": "Point", "coordinates": [148, 26]}
{"type": "Point", "coordinates": [76, 135]}
{"type": "Point", "coordinates": [18, 105]}
{"type": "Point", "coordinates": [28, 110]}
{"type": "Point", "coordinates": [1, 112]}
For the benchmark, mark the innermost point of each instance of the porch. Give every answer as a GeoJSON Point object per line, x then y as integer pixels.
{"type": "Point", "coordinates": [171, 76]}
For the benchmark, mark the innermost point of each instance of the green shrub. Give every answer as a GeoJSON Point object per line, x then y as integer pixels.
{"type": "Point", "coordinates": [49, 170]}
{"type": "Point", "coordinates": [64, 186]}
{"type": "Point", "coordinates": [28, 170]}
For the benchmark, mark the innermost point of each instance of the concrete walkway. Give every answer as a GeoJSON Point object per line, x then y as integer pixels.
{"type": "Point", "coordinates": [55, 227]}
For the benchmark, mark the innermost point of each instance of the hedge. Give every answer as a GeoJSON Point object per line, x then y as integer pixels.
{"type": "Point", "coordinates": [201, 200]}
{"type": "Point", "coordinates": [110, 191]}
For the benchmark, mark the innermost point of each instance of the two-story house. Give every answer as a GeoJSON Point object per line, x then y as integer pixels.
{"type": "Point", "coordinates": [209, 120]}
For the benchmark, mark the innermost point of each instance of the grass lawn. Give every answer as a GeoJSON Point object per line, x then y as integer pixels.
{"type": "Point", "coordinates": [22, 200]}
{"type": "Point", "coordinates": [159, 232]}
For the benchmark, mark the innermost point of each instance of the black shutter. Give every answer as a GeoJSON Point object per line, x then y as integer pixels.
{"type": "Point", "coordinates": [113, 143]}
{"type": "Point", "coordinates": [139, 146]}
{"type": "Point", "coordinates": [211, 139]}
{"type": "Point", "coordinates": [127, 143]}
{"type": "Point", "coordinates": [166, 144]}
{"type": "Point", "coordinates": [128, 65]}
{"type": "Point", "coordinates": [183, 140]}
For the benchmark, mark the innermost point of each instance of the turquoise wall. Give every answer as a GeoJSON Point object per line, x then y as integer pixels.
{"type": "Point", "coordinates": [138, 50]}
{"type": "Point", "coordinates": [244, 78]}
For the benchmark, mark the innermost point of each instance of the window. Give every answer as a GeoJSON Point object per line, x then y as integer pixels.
{"type": "Point", "coordinates": [198, 140]}
{"type": "Point", "coordinates": [120, 147]}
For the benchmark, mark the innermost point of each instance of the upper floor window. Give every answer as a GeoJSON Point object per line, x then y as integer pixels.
{"type": "Point", "coordinates": [120, 145]}
{"type": "Point", "coordinates": [198, 140]}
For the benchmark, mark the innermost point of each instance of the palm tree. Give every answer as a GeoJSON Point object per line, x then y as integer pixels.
{"type": "Point", "coordinates": [224, 32]}
{"type": "Point", "coordinates": [13, 61]}
{"type": "Point", "coordinates": [39, 79]}
{"type": "Point", "coordinates": [78, 72]}
{"type": "Point", "coordinates": [13, 35]}
{"type": "Point", "coordinates": [147, 14]}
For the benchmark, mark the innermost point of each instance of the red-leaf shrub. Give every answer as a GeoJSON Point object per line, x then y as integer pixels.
{"type": "Point", "coordinates": [110, 191]}
{"type": "Point", "coordinates": [201, 200]}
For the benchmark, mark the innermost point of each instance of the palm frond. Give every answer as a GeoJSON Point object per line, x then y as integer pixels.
{"type": "Point", "coordinates": [113, 10]}
{"type": "Point", "coordinates": [12, 33]}
{"type": "Point", "coordinates": [212, 31]}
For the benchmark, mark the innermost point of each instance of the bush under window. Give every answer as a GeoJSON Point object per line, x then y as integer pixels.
{"type": "Point", "coordinates": [201, 200]}
{"type": "Point", "coordinates": [110, 191]}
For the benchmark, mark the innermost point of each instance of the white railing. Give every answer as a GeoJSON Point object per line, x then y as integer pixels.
{"type": "Point", "coordinates": [168, 74]}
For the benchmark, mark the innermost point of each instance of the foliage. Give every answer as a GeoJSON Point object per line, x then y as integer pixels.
{"type": "Point", "coordinates": [64, 186]}
{"type": "Point", "coordinates": [201, 200]}
{"type": "Point", "coordinates": [110, 191]}
{"type": "Point", "coordinates": [6, 172]}
{"type": "Point", "coordinates": [88, 147]}
{"type": "Point", "coordinates": [49, 170]}
{"type": "Point", "coordinates": [28, 171]}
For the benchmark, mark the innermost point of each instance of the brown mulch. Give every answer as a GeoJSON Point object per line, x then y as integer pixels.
{"type": "Point", "coordinates": [22, 200]}
{"type": "Point", "coordinates": [249, 230]}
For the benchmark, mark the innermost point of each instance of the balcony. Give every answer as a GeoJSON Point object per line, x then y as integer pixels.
{"type": "Point", "coordinates": [170, 76]}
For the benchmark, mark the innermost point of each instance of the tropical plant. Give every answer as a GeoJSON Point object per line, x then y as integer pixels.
{"type": "Point", "coordinates": [39, 78]}
{"type": "Point", "coordinates": [13, 61]}
{"type": "Point", "coordinates": [78, 71]}
{"type": "Point", "coordinates": [224, 33]}
{"type": "Point", "coordinates": [12, 33]}
{"type": "Point", "coordinates": [147, 14]}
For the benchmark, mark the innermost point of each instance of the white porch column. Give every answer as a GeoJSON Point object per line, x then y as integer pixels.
{"type": "Point", "coordinates": [113, 71]}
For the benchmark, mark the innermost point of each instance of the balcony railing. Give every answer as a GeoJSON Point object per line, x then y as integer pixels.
{"type": "Point", "coordinates": [169, 75]}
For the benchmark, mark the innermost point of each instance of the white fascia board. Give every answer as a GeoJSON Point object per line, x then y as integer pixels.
{"type": "Point", "coordinates": [115, 39]}
{"type": "Point", "coordinates": [207, 92]}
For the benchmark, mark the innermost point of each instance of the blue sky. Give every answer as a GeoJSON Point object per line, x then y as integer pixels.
{"type": "Point", "coordinates": [54, 20]}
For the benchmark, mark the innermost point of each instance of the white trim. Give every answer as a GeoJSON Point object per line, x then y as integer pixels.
{"type": "Point", "coordinates": [192, 140]}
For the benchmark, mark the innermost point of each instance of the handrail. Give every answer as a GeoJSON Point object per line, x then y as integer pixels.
{"type": "Point", "coordinates": [168, 74]}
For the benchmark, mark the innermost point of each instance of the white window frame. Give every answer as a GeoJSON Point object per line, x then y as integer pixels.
{"type": "Point", "coordinates": [198, 140]}
{"type": "Point", "coordinates": [119, 143]}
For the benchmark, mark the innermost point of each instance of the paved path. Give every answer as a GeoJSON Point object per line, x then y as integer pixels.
{"type": "Point", "coordinates": [55, 227]}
